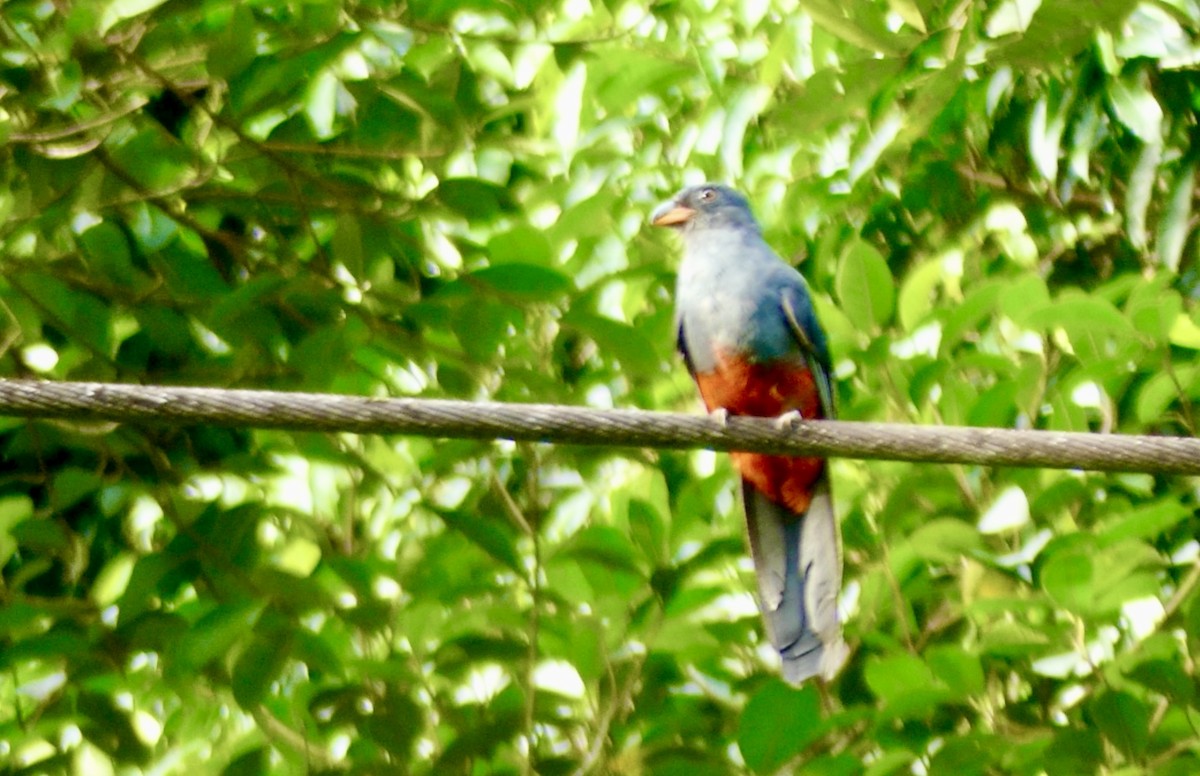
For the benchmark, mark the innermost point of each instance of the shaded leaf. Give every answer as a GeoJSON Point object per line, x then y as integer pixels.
{"type": "Point", "coordinates": [777, 723]}
{"type": "Point", "coordinates": [1124, 720]}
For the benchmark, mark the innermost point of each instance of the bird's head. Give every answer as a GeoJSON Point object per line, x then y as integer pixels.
{"type": "Point", "coordinates": [706, 206]}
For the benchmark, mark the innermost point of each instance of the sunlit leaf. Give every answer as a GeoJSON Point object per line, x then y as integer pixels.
{"type": "Point", "coordinates": [1174, 227]}
{"type": "Point", "coordinates": [524, 280]}
{"type": "Point", "coordinates": [865, 286]}
{"type": "Point", "coordinates": [1136, 108]}
{"type": "Point", "coordinates": [1184, 332]}
{"type": "Point", "coordinates": [1141, 186]}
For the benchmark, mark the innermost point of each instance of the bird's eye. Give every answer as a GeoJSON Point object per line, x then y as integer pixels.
{"type": "Point", "coordinates": [708, 195]}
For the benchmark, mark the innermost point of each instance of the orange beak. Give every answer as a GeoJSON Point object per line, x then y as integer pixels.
{"type": "Point", "coordinates": [671, 214]}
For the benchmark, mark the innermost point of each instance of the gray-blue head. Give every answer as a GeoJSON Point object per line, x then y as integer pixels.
{"type": "Point", "coordinates": [706, 206]}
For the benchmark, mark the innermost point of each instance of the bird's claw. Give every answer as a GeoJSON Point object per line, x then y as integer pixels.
{"type": "Point", "coordinates": [721, 415]}
{"type": "Point", "coordinates": [788, 420]}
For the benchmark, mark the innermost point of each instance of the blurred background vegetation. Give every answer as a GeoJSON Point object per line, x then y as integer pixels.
{"type": "Point", "coordinates": [994, 201]}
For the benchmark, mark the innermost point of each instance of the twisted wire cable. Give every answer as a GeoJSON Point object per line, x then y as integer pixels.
{"type": "Point", "coordinates": [148, 404]}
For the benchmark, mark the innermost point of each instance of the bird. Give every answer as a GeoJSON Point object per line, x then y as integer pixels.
{"type": "Point", "coordinates": [749, 336]}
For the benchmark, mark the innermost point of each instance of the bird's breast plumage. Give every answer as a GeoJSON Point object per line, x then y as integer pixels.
{"type": "Point", "coordinates": [767, 389]}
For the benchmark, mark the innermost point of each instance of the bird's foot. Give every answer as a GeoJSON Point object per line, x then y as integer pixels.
{"type": "Point", "coordinates": [721, 415]}
{"type": "Point", "coordinates": [788, 420]}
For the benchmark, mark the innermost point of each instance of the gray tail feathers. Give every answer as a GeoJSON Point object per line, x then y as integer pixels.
{"type": "Point", "coordinates": [798, 559]}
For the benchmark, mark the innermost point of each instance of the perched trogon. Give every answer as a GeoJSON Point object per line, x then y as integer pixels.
{"type": "Point", "coordinates": [750, 338]}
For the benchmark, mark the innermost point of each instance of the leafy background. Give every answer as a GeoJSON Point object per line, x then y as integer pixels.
{"type": "Point", "coordinates": [994, 204]}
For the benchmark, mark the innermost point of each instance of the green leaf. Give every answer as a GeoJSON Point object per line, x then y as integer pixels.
{"type": "Point", "coordinates": [1059, 31]}
{"type": "Point", "coordinates": [639, 73]}
{"type": "Point", "coordinates": [834, 93]}
{"type": "Point", "coordinates": [80, 315]}
{"type": "Point", "coordinates": [606, 547]}
{"type": "Point", "coordinates": [963, 319]}
{"type": "Point", "coordinates": [647, 529]}
{"type": "Point", "coordinates": [320, 652]}
{"type": "Point", "coordinates": [1124, 721]}
{"type": "Point", "coordinates": [1139, 192]}
{"type": "Point", "coordinates": [107, 249]}
{"type": "Point", "coordinates": [918, 293]}
{"type": "Point", "coordinates": [865, 287]}
{"type": "Point", "coordinates": [859, 23]}
{"type": "Point", "coordinates": [777, 724]}
{"type": "Point", "coordinates": [1192, 621]}
{"type": "Point", "coordinates": [45, 537]}
{"type": "Point", "coordinates": [1074, 310]}
{"type": "Point", "coordinates": [909, 12]}
{"type": "Point", "coordinates": [484, 326]}
{"type": "Point", "coordinates": [1153, 310]}
{"type": "Point", "coordinates": [245, 315]}
{"type": "Point", "coordinates": [1068, 578]}
{"type": "Point", "coordinates": [347, 244]}
{"type": "Point", "coordinates": [298, 556]}
{"type": "Point", "coordinates": [614, 339]}
{"type": "Point", "coordinates": [1184, 332]}
{"type": "Point", "coordinates": [258, 666]}
{"type": "Point", "coordinates": [894, 677]}
{"type": "Point", "coordinates": [1012, 639]}
{"type": "Point", "coordinates": [957, 669]}
{"type": "Point", "coordinates": [110, 727]}
{"type": "Point", "coordinates": [394, 723]}
{"type": "Point", "coordinates": [154, 159]}
{"type": "Point", "coordinates": [231, 50]}
{"type": "Point", "coordinates": [1136, 108]}
{"type": "Point", "coordinates": [112, 580]}
{"type": "Point", "coordinates": [116, 11]}
{"type": "Point", "coordinates": [1090, 323]}
{"type": "Point", "coordinates": [492, 536]}
{"type": "Point", "coordinates": [973, 753]}
{"type": "Point", "coordinates": [744, 107]}
{"type": "Point", "coordinates": [321, 103]}
{"type": "Point", "coordinates": [527, 281]}
{"type": "Point", "coordinates": [72, 485]}
{"type": "Point", "coordinates": [473, 198]}
{"type": "Point", "coordinates": [214, 634]}
{"type": "Point", "coordinates": [1010, 16]}
{"type": "Point", "coordinates": [1167, 678]}
{"type": "Point", "coordinates": [1020, 297]}
{"type": "Point", "coordinates": [1145, 521]}
{"type": "Point", "coordinates": [251, 763]}
{"type": "Point", "coordinates": [893, 761]}
{"type": "Point", "coordinates": [944, 540]}
{"type": "Point", "coordinates": [1046, 127]}
{"type": "Point", "coordinates": [1160, 392]}
{"type": "Point", "coordinates": [522, 244]}
{"type": "Point", "coordinates": [14, 510]}
{"type": "Point", "coordinates": [1174, 226]}
{"type": "Point", "coordinates": [169, 331]}
{"type": "Point", "coordinates": [1074, 751]}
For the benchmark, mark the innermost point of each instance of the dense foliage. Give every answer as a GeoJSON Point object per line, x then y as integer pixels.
{"type": "Point", "coordinates": [993, 202]}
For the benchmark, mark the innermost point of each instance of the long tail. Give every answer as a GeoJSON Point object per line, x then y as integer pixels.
{"type": "Point", "coordinates": [798, 559]}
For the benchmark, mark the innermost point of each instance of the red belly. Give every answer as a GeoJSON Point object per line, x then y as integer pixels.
{"type": "Point", "coordinates": [768, 390]}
